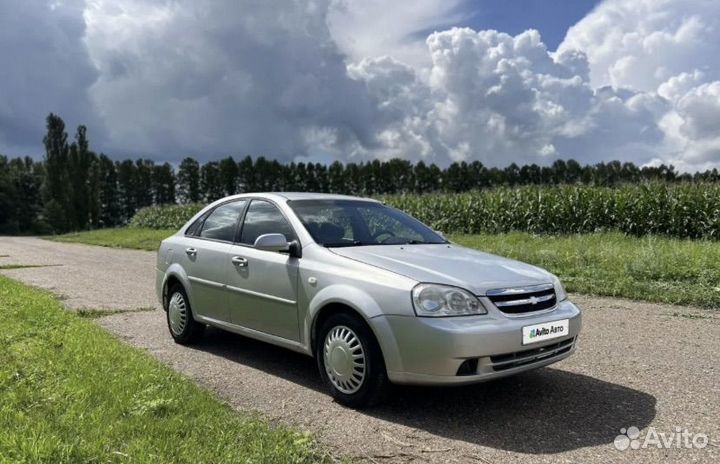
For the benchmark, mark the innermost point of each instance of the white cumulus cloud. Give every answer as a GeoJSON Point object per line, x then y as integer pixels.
{"type": "Point", "coordinates": [498, 99]}
{"type": "Point", "coordinates": [666, 48]}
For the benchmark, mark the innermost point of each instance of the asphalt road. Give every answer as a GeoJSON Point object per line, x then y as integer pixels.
{"type": "Point", "coordinates": [654, 367]}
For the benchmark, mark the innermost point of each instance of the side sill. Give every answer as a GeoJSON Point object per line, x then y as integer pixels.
{"type": "Point", "coordinates": [256, 334]}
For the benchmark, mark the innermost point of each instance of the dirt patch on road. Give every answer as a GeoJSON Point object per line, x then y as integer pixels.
{"type": "Point", "coordinates": [83, 276]}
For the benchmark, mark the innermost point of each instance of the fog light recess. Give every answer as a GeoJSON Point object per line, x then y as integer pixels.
{"type": "Point", "coordinates": [468, 367]}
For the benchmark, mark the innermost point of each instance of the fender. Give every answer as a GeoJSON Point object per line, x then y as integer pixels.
{"type": "Point", "coordinates": [175, 270]}
{"type": "Point", "coordinates": [365, 305]}
{"type": "Point", "coordinates": [344, 294]}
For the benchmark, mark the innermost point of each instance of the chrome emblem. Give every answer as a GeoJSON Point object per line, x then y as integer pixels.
{"type": "Point", "coordinates": [533, 300]}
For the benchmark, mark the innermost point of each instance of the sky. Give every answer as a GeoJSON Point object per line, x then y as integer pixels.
{"type": "Point", "coordinates": [524, 81]}
{"type": "Point", "coordinates": [551, 18]}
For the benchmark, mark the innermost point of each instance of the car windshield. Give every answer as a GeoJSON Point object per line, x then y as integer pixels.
{"type": "Point", "coordinates": [341, 223]}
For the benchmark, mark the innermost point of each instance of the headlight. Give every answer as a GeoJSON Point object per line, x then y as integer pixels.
{"type": "Point", "coordinates": [560, 293]}
{"type": "Point", "coordinates": [432, 300]}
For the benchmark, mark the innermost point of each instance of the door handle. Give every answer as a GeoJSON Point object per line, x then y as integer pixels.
{"type": "Point", "coordinates": [239, 261]}
{"type": "Point", "coordinates": [191, 251]}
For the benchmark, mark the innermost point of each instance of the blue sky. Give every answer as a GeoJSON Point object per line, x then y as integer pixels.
{"type": "Point", "coordinates": [551, 17]}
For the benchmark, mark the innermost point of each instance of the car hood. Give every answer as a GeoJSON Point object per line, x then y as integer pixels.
{"type": "Point", "coordinates": [449, 264]}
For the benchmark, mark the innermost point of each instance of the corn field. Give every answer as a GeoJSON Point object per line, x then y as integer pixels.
{"type": "Point", "coordinates": [690, 210]}
{"type": "Point", "coordinates": [683, 211]}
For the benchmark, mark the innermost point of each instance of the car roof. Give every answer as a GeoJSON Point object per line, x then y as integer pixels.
{"type": "Point", "coordinates": [300, 196]}
{"type": "Point", "coordinates": [319, 196]}
{"type": "Point", "coordinates": [291, 196]}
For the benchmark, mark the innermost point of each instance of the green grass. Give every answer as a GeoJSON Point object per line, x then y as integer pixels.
{"type": "Point", "coordinates": [98, 313]}
{"type": "Point", "coordinates": [9, 267]}
{"type": "Point", "coordinates": [612, 264]}
{"type": "Point", "coordinates": [70, 392]}
{"type": "Point", "coordinates": [128, 237]}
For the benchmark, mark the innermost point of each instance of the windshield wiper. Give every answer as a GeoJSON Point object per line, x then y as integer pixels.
{"type": "Point", "coordinates": [422, 242]}
{"type": "Point", "coordinates": [344, 244]}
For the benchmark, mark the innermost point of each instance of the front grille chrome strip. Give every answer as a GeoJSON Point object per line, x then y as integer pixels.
{"type": "Point", "coordinates": [519, 290]}
{"type": "Point", "coordinates": [538, 299]}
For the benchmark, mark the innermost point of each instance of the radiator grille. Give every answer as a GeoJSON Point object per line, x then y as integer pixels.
{"type": "Point", "coordinates": [523, 300]}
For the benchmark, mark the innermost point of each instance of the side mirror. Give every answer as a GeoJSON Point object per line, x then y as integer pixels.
{"type": "Point", "coordinates": [272, 242]}
{"type": "Point", "coordinates": [295, 249]}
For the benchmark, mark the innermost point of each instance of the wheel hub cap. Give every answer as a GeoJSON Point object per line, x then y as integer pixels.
{"type": "Point", "coordinates": [177, 313]}
{"type": "Point", "coordinates": [344, 359]}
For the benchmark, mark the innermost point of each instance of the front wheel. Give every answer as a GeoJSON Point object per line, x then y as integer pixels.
{"type": "Point", "coordinates": [350, 362]}
{"type": "Point", "coordinates": [184, 329]}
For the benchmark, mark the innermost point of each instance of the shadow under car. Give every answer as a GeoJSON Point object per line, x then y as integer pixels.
{"type": "Point", "coordinates": [546, 410]}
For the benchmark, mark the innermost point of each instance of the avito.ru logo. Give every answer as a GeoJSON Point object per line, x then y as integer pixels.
{"type": "Point", "coordinates": [680, 438]}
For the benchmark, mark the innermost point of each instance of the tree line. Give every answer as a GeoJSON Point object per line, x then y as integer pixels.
{"type": "Point", "coordinates": [73, 188]}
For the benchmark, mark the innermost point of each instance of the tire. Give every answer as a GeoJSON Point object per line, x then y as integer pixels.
{"type": "Point", "coordinates": [358, 381]}
{"type": "Point", "coordinates": [181, 324]}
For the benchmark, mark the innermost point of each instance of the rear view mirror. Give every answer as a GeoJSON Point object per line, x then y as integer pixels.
{"type": "Point", "coordinates": [272, 242]}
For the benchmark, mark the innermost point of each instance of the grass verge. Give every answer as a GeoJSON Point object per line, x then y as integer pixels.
{"type": "Point", "coordinates": [652, 269]}
{"type": "Point", "coordinates": [70, 392]}
{"type": "Point", "coordinates": [10, 267]}
{"type": "Point", "coordinates": [128, 237]}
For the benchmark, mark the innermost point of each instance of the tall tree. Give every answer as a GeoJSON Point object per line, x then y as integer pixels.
{"type": "Point", "coordinates": [336, 178]}
{"type": "Point", "coordinates": [263, 177]}
{"type": "Point", "coordinates": [229, 175]}
{"type": "Point", "coordinates": [111, 211]}
{"type": "Point", "coordinates": [246, 176]}
{"type": "Point", "coordinates": [210, 181]}
{"type": "Point", "coordinates": [278, 178]}
{"type": "Point", "coordinates": [142, 183]}
{"type": "Point", "coordinates": [311, 180]}
{"type": "Point", "coordinates": [352, 179]}
{"type": "Point", "coordinates": [79, 163]}
{"type": "Point", "coordinates": [56, 190]}
{"type": "Point", "coordinates": [453, 178]}
{"type": "Point", "coordinates": [126, 189]}
{"type": "Point", "coordinates": [188, 181]}
{"type": "Point", "coordinates": [20, 201]}
{"type": "Point", "coordinates": [163, 184]}
{"type": "Point", "coordinates": [300, 178]}
{"type": "Point", "coordinates": [478, 175]}
{"type": "Point", "coordinates": [94, 192]}
{"type": "Point", "coordinates": [8, 195]}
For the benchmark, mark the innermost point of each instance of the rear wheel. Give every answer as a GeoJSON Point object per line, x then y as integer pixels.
{"type": "Point", "coordinates": [183, 327]}
{"type": "Point", "coordinates": [350, 361]}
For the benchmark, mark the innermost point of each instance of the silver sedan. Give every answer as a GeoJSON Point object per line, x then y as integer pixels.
{"type": "Point", "coordinates": [374, 295]}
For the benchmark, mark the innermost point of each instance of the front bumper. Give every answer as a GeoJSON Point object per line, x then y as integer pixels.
{"type": "Point", "coordinates": [431, 351]}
